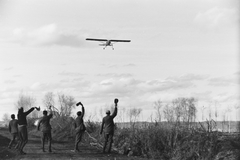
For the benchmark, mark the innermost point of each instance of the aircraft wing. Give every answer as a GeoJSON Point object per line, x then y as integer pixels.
{"type": "Point", "coordinates": [116, 40]}
{"type": "Point", "coordinates": [94, 39]}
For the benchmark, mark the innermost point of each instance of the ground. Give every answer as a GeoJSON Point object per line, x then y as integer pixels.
{"type": "Point", "coordinates": [61, 150]}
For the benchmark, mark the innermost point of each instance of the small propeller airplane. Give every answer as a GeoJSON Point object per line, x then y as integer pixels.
{"type": "Point", "coordinates": [107, 42]}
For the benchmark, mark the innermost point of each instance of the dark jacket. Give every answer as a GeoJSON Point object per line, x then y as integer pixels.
{"type": "Point", "coordinates": [79, 123]}
{"type": "Point", "coordinates": [22, 117]}
{"type": "Point", "coordinates": [108, 124]}
{"type": "Point", "coordinates": [45, 121]}
{"type": "Point", "coordinates": [13, 126]}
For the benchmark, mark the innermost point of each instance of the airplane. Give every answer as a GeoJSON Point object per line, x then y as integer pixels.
{"type": "Point", "coordinates": [107, 42]}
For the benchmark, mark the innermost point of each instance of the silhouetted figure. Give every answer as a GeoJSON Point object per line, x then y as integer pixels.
{"type": "Point", "coordinates": [13, 129]}
{"type": "Point", "coordinates": [108, 127]}
{"type": "Point", "coordinates": [79, 126]}
{"type": "Point", "coordinates": [22, 127]}
{"type": "Point", "coordinates": [46, 129]}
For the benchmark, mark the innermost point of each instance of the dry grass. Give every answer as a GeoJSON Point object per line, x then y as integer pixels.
{"type": "Point", "coordinates": [171, 141]}
{"type": "Point", "coordinates": [165, 141]}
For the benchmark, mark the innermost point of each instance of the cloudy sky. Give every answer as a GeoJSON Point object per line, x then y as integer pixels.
{"type": "Point", "coordinates": [178, 48]}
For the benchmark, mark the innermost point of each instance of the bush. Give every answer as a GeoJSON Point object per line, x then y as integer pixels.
{"type": "Point", "coordinates": [166, 141]}
{"type": "Point", "coordinates": [171, 141]}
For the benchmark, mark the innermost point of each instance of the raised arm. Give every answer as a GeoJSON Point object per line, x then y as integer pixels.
{"type": "Point", "coordinates": [29, 111]}
{"type": "Point", "coordinates": [83, 110]}
{"type": "Point", "coordinates": [51, 113]}
{"type": "Point", "coordinates": [115, 109]}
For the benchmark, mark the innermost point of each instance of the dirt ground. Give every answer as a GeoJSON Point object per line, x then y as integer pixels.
{"type": "Point", "coordinates": [60, 150]}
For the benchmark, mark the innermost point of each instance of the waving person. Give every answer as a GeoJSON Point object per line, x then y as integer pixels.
{"type": "Point", "coordinates": [22, 127]}
{"type": "Point", "coordinates": [108, 127]}
{"type": "Point", "coordinates": [46, 129]}
{"type": "Point", "coordinates": [79, 126]}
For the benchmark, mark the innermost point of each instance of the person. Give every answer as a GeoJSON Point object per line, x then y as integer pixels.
{"type": "Point", "coordinates": [46, 129]}
{"type": "Point", "coordinates": [108, 127]}
{"type": "Point", "coordinates": [13, 129]}
{"type": "Point", "coordinates": [79, 127]}
{"type": "Point", "coordinates": [22, 127]}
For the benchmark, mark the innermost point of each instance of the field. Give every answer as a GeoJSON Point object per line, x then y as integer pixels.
{"type": "Point", "coordinates": [61, 150]}
{"type": "Point", "coordinates": [164, 141]}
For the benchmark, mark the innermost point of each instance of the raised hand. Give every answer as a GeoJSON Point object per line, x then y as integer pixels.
{"type": "Point", "coordinates": [37, 108]}
{"type": "Point", "coordinates": [79, 103]}
{"type": "Point", "coordinates": [115, 100]}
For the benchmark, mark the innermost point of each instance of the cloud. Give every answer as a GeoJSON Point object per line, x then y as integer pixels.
{"type": "Point", "coordinates": [129, 65]}
{"type": "Point", "coordinates": [129, 86]}
{"type": "Point", "coordinates": [223, 81]}
{"type": "Point", "coordinates": [114, 86]}
{"type": "Point", "coordinates": [64, 81]}
{"type": "Point", "coordinates": [226, 97]}
{"type": "Point", "coordinates": [113, 66]}
{"type": "Point", "coordinates": [203, 96]}
{"type": "Point", "coordinates": [164, 85]}
{"type": "Point", "coordinates": [8, 69]}
{"type": "Point", "coordinates": [114, 75]}
{"type": "Point", "coordinates": [217, 18]}
{"type": "Point", "coordinates": [48, 35]}
{"type": "Point", "coordinates": [188, 77]}
{"type": "Point", "coordinates": [118, 65]}
{"type": "Point", "coordinates": [9, 81]}
{"type": "Point", "coordinates": [237, 73]}
{"type": "Point", "coordinates": [72, 74]}
{"type": "Point", "coordinates": [36, 86]}
{"type": "Point", "coordinates": [164, 97]}
{"type": "Point", "coordinates": [17, 75]}
{"type": "Point", "coordinates": [62, 85]}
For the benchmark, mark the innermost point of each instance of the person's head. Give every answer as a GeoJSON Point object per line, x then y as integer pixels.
{"type": "Point", "coordinates": [79, 113]}
{"type": "Point", "coordinates": [20, 110]}
{"type": "Point", "coordinates": [44, 112]}
{"type": "Point", "coordinates": [108, 112]}
{"type": "Point", "coordinates": [13, 116]}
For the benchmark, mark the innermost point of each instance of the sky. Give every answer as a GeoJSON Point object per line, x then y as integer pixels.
{"type": "Point", "coordinates": [178, 48]}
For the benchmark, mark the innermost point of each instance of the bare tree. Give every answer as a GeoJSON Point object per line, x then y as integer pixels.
{"type": "Point", "coordinates": [191, 108]}
{"type": "Point", "coordinates": [134, 114]}
{"type": "Point", "coordinates": [209, 112]}
{"type": "Point", "coordinates": [26, 102]}
{"type": "Point", "coordinates": [66, 104]}
{"type": "Point", "coordinates": [185, 109]}
{"type": "Point", "coordinates": [157, 106]}
{"type": "Point", "coordinates": [48, 100]}
{"type": "Point", "coordinates": [236, 106]}
{"type": "Point", "coordinates": [229, 110]}
{"type": "Point", "coordinates": [6, 119]}
{"type": "Point", "coordinates": [101, 112]}
{"type": "Point", "coordinates": [168, 112]}
{"type": "Point", "coordinates": [122, 111]}
{"type": "Point", "coordinates": [216, 104]}
{"type": "Point", "coordinates": [203, 108]}
{"type": "Point", "coordinates": [224, 120]}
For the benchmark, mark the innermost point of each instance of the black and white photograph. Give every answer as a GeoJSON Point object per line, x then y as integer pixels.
{"type": "Point", "coordinates": [120, 79]}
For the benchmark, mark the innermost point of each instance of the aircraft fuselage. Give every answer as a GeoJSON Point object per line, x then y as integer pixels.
{"type": "Point", "coordinates": [106, 42]}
